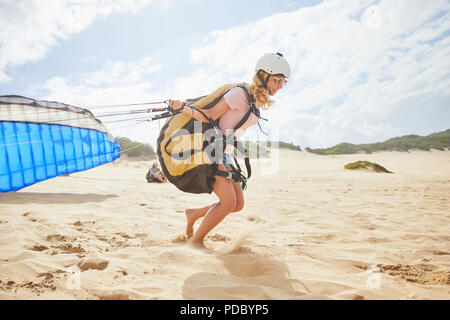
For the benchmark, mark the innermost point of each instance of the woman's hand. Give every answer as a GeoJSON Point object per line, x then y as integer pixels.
{"type": "Point", "coordinates": [176, 105]}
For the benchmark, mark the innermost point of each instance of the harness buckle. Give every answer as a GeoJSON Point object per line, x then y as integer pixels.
{"type": "Point", "coordinates": [230, 175]}
{"type": "Point", "coordinates": [243, 183]}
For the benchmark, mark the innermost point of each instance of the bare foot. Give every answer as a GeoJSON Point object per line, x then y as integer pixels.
{"type": "Point", "coordinates": [193, 215]}
{"type": "Point", "coordinates": [197, 245]}
{"type": "Point", "coordinates": [191, 218]}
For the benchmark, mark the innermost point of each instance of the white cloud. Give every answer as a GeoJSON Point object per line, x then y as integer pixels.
{"type": "Point", "coordinates": [29, 28]}
{"type": "Point", "coordinates": [121, 73]}
{"type": "Point", "coordinates": [116, 82]}
{"type": "Point", "coordinates": [353, 64]}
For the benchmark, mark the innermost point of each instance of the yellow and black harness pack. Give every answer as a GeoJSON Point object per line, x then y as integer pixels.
{"type": "Point", "coordinates": [189, 150]}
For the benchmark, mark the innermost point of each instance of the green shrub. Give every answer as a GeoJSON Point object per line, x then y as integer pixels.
{"type": "Point", "coordinates": [439, 141]}
{"type": "Point", "coordinates": [136, 149]}
{"type": "Point", "coordinates": [366, 165]}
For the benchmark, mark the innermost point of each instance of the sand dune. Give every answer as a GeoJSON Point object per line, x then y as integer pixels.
{"type": "Point", "coordinates": [309, 230]}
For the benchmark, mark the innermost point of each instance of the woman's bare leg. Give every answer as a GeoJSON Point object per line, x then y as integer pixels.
{"type": "Point", "coordinates": [223, 188]}
{"type": "Point", "coordinates": [239, 197]}
{"type": "Point", "coordinates": [193, 215]}
{"type": "Point", "coordinates": [160, 179]}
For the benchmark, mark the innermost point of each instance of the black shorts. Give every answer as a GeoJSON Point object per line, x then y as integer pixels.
{"type": "Point", "coordinates": [153, 179]}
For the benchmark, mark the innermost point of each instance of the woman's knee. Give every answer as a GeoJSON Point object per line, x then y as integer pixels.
{"type": "Point", "coordinates": [223, 188]}
{"type": "Point", "coordinates": [239, 206]}
{"type": "Point", "coordinates": [228, 205]}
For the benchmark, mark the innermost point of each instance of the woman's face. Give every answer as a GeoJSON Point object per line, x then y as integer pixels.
{"type": "Point", "coordinates": [275, 83]}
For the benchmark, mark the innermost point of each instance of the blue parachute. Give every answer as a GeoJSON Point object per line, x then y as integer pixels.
{"type": "Point", "coordinates": [40, 140]}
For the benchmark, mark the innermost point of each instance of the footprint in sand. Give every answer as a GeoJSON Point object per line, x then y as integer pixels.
{"type": "Point", "coordinates": [140, 235]}
{"type": "Point", "coordinates": [426, 274]}
{"type": "Point", "coordinates": [441, 253]}
{"type": "Point", "coordinates": [27, 215]}
{"type": "Point", "coordinates": [255, 219]}
{"type": "Point", "coordinates": [63, 244]}
{"type": "Point", "coordinates": [377, 240]}
{"type": "Point", "coordinates": [79, 223]}
{"type": "Point", "coordinates": [69, 248]}
{"type": "Point", "coordinates": [44, 282]}
{"type": "Point", "coordinates": [112, 295]}
{"type": "Point", "coordinates": [147, 206]}
{"type": "Point", "coordinates": [38, 247]}
{"type": "Point", "coordinates": [93, 264]}
{"type": "Point", "coordinates": [119, 240]}
{"type": "Point", "coordinates": [59, 238]}
{"type": "Point", "coordinates": [102, 238]}
{"type": "Point", "coordinates": [126, 236]}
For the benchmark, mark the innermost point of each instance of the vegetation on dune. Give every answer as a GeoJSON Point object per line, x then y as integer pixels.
{"type": "Point", "coordinates": [284, 145]}
{"type": "Point", "coordinates": [135, 149]}
{"type": "Point", "coordinates": [255, 150]}
{"type": "Point", "coordinates": [439, 141]}
{"type": "Point", "coordinates": [261, 149]}
{"type": "Point", "coordinates": [366, 165]}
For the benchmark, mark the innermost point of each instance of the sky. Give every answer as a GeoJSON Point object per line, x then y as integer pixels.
{"type": "Point", "coordinates": [363, 71]}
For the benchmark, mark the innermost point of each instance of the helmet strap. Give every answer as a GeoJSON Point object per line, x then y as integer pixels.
{"type": "Point", "coordinates": [263, 81]}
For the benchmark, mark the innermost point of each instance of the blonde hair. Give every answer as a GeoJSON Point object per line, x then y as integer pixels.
{"type": "Point", "coordinates": [258, 91]}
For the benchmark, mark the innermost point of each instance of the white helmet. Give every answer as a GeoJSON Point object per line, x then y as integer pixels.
{"type": "Point", "coordinates": [274, 63]}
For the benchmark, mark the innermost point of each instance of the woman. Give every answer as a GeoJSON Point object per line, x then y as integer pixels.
{"type": "Point", "coordinates": [272, 71]}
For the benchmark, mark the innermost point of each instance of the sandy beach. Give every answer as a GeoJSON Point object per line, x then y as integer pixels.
{"type": "Point", "coordinates": [310, 229]}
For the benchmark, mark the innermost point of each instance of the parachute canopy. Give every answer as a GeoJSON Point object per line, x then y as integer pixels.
{"type": "Point", "coordinates": [40, 140]}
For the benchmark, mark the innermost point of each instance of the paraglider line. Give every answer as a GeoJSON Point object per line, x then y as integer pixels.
{"type": "Point", "coordinates": [125, 105]}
